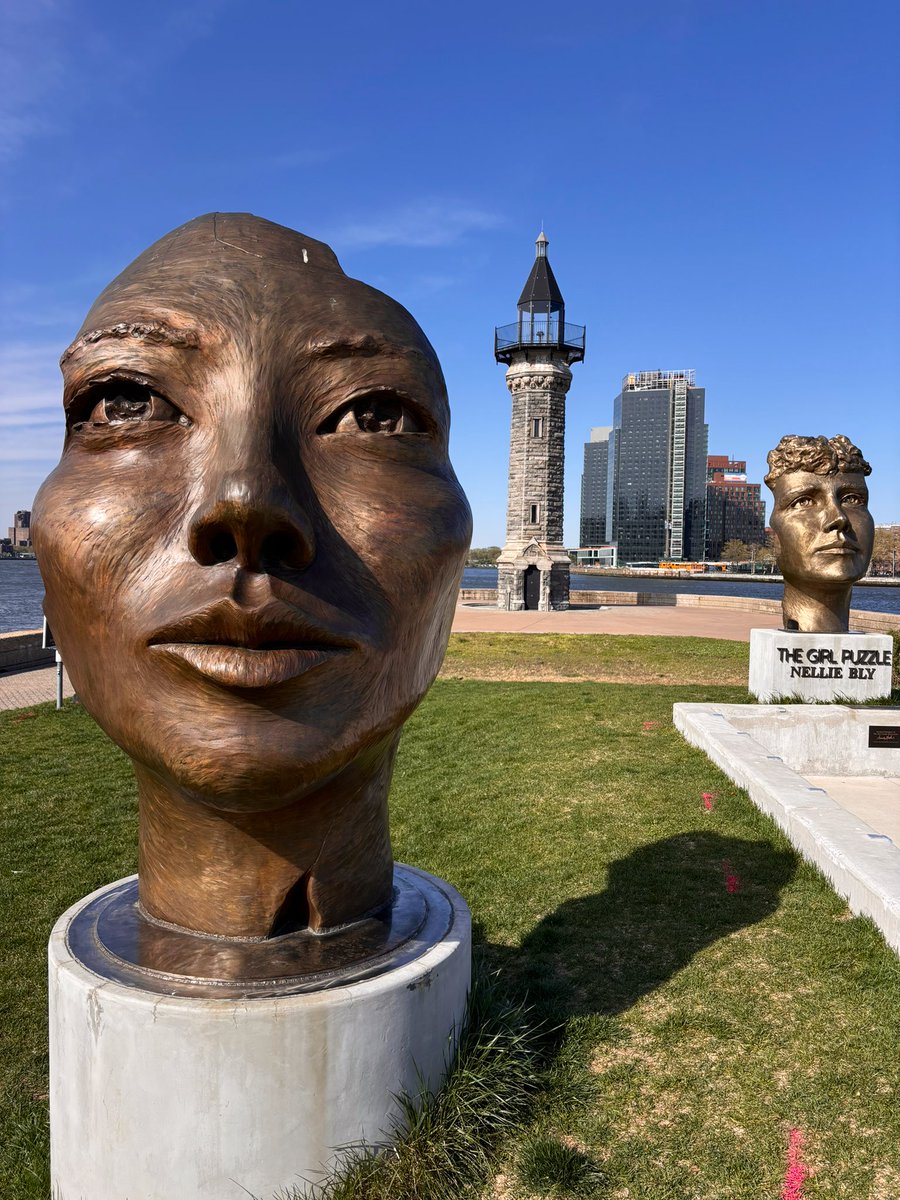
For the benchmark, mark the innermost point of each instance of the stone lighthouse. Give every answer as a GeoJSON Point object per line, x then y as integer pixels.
{"type": "Point", "coordinates": [539, 348]}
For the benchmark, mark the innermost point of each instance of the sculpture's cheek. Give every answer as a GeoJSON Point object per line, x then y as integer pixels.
{"type": "Point", "coordinates": [392, 504]}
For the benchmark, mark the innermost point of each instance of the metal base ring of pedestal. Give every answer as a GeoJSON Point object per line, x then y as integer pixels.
{"type": "Point", "coordinates": [113, 938]}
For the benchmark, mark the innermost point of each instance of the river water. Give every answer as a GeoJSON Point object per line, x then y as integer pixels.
{"type": "Point", "coordinates": [873, 597]}
{"type": "Point", "coordinates": [21, 590]}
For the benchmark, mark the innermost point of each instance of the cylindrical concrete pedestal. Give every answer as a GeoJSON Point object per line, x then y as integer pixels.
{"type": "Point", "coordinates": [156, 1096]}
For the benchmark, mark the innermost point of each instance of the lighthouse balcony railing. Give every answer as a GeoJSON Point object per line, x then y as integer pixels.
{"type": "Point", "coordinates": [529, 333]}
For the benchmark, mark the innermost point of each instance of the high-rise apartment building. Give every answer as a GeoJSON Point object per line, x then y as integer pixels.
{"type": "Point", "coordinates": [594, 486]}
{"type": "Point", "coordinates": [734, 508]}
{"type": "Point", "coordinates": [657, 468]}
{"type": "Point", "coordinates": [20, 530]}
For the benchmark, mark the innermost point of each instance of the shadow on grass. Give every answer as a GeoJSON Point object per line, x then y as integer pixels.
{"type": "Point", "coordinates": [592, 958]}
{"type": "Point", "coordinates": [663, 903]}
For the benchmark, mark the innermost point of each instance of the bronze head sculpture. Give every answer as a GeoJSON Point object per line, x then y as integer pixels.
{"type": "Point", "coordinates": [251, 549]}
{"type": "Point", "coordinates": [824, 528]}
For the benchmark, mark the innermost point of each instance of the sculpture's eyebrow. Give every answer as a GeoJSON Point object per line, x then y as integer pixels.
{"type": "Point", "coordinates": [157, 332]}
{"type": "Point", "coordinates": [362, 345]}
{"type": "Point", "coordinates": [800, 489]}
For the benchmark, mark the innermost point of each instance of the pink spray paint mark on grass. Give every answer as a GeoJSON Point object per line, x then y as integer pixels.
{"type": "Point", "coordinates": [709, 800]}
{"type": "Point", "coordinates": [648, 725]}
{"type": "Point", "coordinates": [797, 1170]}
{"type": "Point", "coordinates": [732, 881]}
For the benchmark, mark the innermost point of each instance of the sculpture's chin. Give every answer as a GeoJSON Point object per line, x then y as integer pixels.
{"type": "Point", "coordinates": [247, 759]}
{"type": "Point", "coordinates": [243, 776]}
{"type": "Point", "coordinates": [831, 573]}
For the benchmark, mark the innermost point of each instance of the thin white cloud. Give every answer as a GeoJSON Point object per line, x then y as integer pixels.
{"type": "Point", "coordinates": [43, 457]}
{"type": "Point", "coordinates": [48, 48]}
{"type": "Point", "coordinates": [309, 156]}
{"type": "Point", "coordinates": [31, 421]}
{"type": "Point", "coordinates": [58, 305]}
{"type": "Point", "coordinates": [31, 66]}
{"type": "Point", "coordinates": [423, 223]}
{"type": "Point", "coordinates": [30, 381]}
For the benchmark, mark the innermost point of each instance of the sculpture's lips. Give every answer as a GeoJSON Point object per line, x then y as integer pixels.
{"type": "Point", "coordinates": [838, 548]}
{"type": "Point", "coordinates": [251, 648]}
{"type": "Point", "coordinates": [241, 666]}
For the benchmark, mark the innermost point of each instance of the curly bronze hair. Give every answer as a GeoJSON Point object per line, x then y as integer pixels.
{"type": "Point", "coordinates": [820, 455]}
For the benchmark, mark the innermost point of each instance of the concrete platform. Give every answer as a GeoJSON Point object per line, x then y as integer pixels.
{"type": "Point", "coordinates": [787, 758]}
{"type": "Point", "coordinates": [875, 801]}
{"type": "Point", "coordinates": [163, 1089]}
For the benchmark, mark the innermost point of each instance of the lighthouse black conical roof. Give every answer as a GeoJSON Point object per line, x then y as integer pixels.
{"type": "Point", "coordinates": [541, 291]}
{"type": "Point", "coordinates": [541, 326]}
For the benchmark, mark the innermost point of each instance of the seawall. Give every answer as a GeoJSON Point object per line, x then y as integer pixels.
{"type": "Point", "coordinates": [861, 621]}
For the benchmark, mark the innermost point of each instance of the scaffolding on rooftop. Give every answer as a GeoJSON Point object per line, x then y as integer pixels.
{"type": "Point", "coordinates": [643, 381]}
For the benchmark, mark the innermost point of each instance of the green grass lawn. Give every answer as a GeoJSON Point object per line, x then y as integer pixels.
{"type": "Point", "coordinates": [602, 657]}
{"type": "Point", "coordinates": [711, 992]}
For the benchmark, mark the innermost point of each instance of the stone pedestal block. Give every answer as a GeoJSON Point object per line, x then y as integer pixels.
{"type": "Point", "coordinates": [819, 666]}
{"type": "Point", "coordinates": [155, 1095]}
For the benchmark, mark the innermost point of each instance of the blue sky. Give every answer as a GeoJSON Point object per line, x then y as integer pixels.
{"type": "Point", "coordinates": [719, 180]}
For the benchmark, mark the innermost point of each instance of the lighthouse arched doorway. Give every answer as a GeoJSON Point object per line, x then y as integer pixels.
{"type": "Point", "coordinates": [532, 588]}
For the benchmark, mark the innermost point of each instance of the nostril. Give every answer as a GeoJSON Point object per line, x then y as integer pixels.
{"type": "Point", "coordinates": [258, 537]}
{"type": "Point", "coordinates": [212, 544]}
{"type": "Point", "coordinates": [284, 548]}
{"type": "Point", "coordinates": [222, 546]}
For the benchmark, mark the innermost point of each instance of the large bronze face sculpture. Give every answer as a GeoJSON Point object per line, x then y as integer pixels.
{"type": "Point", "coordinates": [824, 528]}
{"type": "Point", "coordinates": [251, 549]}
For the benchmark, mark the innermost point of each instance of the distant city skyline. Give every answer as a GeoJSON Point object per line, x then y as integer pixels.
{"type": "Point", "coordinates": [743, 223]}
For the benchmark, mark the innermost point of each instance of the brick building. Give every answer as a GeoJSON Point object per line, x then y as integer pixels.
{"type": "Point", "coordinates": [20, 530]}
{"type": "Point", "coordinates": [734, 507]}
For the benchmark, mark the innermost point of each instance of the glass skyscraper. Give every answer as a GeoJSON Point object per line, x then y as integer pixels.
{"type": "Point", "coordinates": [657, 468]}
{"type": "Point", "coordinates": [594, 486]}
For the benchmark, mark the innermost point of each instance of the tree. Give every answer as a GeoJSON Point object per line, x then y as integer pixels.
{"type": "Point", "coordinates": [762, 555]}
{"type": "Point", "coordinates": [767, 551]}
{"type": "Point", "coordinates": [886, 550]}
{"type": "Point", "coordinates": [485, 556]}
{"type": "Point", "coordinates": [735, 551]}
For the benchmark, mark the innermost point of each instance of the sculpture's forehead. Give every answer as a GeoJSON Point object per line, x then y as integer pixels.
{"type": "Point", "coordinates": [819, 479]}
{"type": "Point", "coordinates": [238, 296]}
{"type": "Point", "coordinates": [240, 273]}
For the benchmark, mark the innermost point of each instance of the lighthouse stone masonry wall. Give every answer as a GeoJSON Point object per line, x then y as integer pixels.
{"type": "Point", "coordinates": [536, 476]}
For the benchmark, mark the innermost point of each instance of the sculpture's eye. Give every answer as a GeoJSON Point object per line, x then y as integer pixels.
{"type": "Point", "coordinates": [118, 402]}
{"type": "Point", "coordinates": [802, 502]}
{"type": "Point", "coordinates": [378, 412]}
{"type": "Point", "coordinates": [852, 498]}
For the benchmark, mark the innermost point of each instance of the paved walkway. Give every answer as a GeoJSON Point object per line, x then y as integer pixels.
{"type": "Point", "coordinates": [729, 624]}
{"type": "Point", "coordinates": [20, 689]}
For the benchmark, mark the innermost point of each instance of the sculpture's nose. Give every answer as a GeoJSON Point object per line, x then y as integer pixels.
{"type": "Point", "coordinates": [259, 527]}
{"type": "Point", "coordinates": [834, 517]}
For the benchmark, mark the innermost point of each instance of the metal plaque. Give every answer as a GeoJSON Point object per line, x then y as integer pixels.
{"type": "Point", "coordinates": [885, 737]}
